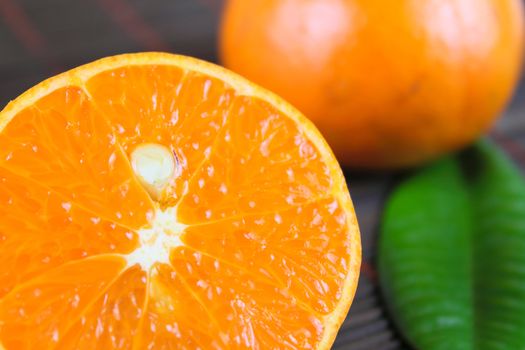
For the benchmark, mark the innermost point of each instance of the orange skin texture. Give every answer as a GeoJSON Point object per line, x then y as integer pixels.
{"type": "Point", "coordinates": [389, 83]}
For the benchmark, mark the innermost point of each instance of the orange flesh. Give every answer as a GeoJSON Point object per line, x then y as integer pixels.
{"type": "Point", "coordinates": [266, 241]}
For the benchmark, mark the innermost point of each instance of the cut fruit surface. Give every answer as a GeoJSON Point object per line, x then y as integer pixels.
{"type": "Point", "coordinates": [154, 201]}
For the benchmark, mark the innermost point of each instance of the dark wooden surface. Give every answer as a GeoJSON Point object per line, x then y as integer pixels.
{"type": "Point", "coordinates": [39, 38]}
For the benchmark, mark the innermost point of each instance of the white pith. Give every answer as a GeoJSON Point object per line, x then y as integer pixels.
{"type": "Point", "coordinates": [154, 165]}
{"type": "Point", "coordinates": [157, 241]}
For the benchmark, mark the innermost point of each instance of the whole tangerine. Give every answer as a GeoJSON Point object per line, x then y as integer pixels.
{"type": "Point", "coordinates": [389, 83]}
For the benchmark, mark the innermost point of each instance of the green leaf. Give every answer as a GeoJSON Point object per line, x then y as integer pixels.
{"type": "Point", "coordinates": [452, 253]}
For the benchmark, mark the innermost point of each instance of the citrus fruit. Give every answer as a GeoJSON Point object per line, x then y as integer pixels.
{"type": "Point", "coordinates": [154, 201]}
{"type": "Point", "coordinates": [389, 84]}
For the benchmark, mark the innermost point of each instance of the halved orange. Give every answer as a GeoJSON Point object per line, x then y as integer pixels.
{"type": "Point", "coordinates": [154, 201]}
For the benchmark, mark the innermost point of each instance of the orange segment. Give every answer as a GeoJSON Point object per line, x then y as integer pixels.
{"type": "Point", "coordinates": [61, 142]}
{"type": "Point", "coordinates": [179, 109]}
{"type": "Point", "coordinates": [253, 242]}
{"type": "Point", "coordinates": [40, 230]}
{"type": "Point", "coordinates": [298, 250]}
{"type": "Point", "coordinates": [258, 314]}
{"type": "Point", "coordinates": [175, 317]}
{"type": "Point", "coordinates": [113, 318]}
{"type": "Point", "coordinates": [40, 311]}
{"type": "Point", "coordinates": [260, 162]}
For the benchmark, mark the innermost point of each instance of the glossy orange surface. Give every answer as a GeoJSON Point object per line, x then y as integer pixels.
{"type": "Point", "coordinates": [389, 83]}
{"type": "Point", "coordinates": [254, 245]}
